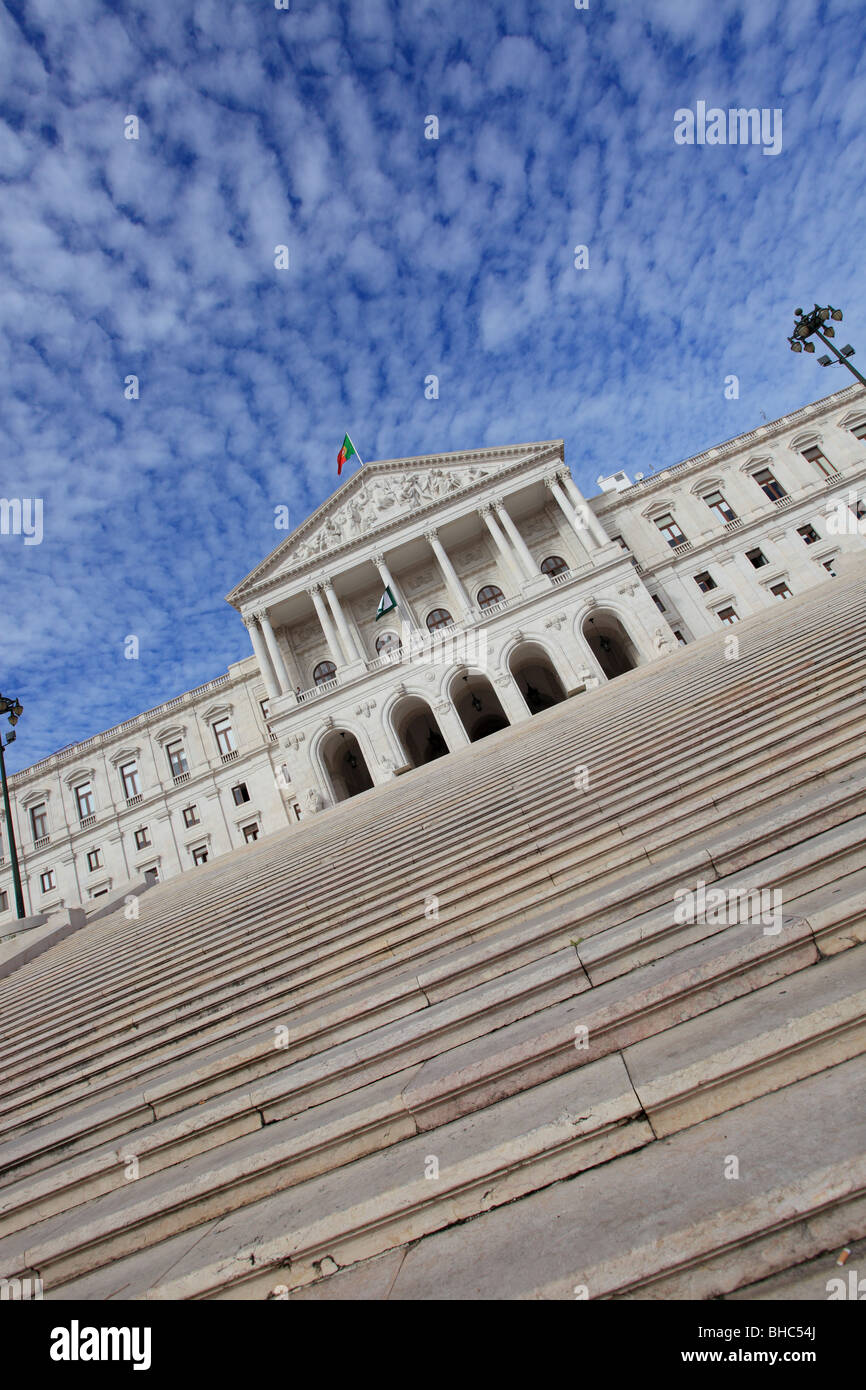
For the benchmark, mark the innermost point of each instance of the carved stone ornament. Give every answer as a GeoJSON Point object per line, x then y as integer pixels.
{"type": "Point", "coordinates": [313, 801]}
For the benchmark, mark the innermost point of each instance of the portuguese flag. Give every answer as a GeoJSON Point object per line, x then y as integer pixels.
{"type": "Point", "coordinates": [348, 451]}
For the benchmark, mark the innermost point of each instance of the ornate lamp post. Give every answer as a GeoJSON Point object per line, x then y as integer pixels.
{"type": "Point", "coordinates": [816, 322]}
{"type": "Point", "coordinates": [14, 709]}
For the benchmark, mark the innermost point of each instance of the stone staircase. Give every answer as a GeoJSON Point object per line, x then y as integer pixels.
{"type": "Point", "coordinates": [452, 1039]}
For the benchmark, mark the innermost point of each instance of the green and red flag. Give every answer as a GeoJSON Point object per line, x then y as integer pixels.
{"type": "Point", "coordinates": [348, 451]}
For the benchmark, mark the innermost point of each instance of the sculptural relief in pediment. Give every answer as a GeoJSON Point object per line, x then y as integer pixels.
{"type": "Point", "coordinates": [383, 499]}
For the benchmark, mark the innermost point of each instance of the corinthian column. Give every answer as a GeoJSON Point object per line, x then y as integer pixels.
{"type": "Point", "coordinates": [324, 617]}
{"type": "Point", "coordinates": [511, 561]}
{"type": "Point", "coordinates": [351, 650]}
{"type": "Point", "coordinates": [520, 546]}
{"type": "Point", "coordinates": [574, 518]}
{"type": "Point", "coordinates": [274, 652]}
{"type": "Point", "coordinates": [271, 685]}
{"type": "Point", "coordinates": [449, 573]}
{"type": "Point", "coordinates": [583, 508]}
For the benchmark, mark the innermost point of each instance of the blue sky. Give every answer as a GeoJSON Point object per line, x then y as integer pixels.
{"type": "Point", "coordinates": [408, 257]}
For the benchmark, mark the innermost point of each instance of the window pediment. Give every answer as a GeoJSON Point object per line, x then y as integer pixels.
{"type": "Point", "coordinates": [125, 755]}
{"type": "Point", "coordinates": [659, 508]}
{"type": "Point", "coordinates": [169, 732]}
{"type": "Point", "coordinates": [33, 798]}
{"type": "Point", "coordinates": [218, 711]}
{"type": "Point", "coordinates": [81, 774]}
{"type": "Point", "coordinates": [804, 440]}
{"type": "Point", "coordinates": [711, 484]}
{"type": "Point", "coordinates": [755, 462]}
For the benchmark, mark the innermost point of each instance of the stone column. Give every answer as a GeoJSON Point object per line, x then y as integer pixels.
{"type": "Point", "coordinates": [581, 505]}
{"type": "Point", "coordinates": [508, 556]}
{"type": "Point", "coordinates": [389, 582]}
{"type": "Point", "coordinates": [349, 646]}
{"type": "Point", "coordinates": [324, 617]}
{"type": "Point", "coordinates": [267, 670]}
{"type": "Point", "coordinates": [573, 517]}
{"type": "Point", "coordinates": [449, 574]}
{"type": "Point", "coordinates": [519, 544]}
{"type": "Point", "coordinates": [280, 672]}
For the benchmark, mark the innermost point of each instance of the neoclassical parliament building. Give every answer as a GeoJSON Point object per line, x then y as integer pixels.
{"type": "Point", "coordinates": [427, 604]}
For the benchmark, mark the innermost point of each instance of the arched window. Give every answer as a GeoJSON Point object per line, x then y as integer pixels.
{"type": "Point", "coordinates": [554, 564]}
{"type": "Point", "coordinates": [491, 593]}
{"type": "Point", "coordinates": [440, 617]}
{"type": "Point", "coordinates": [325, 671]}
{"type": "Point", "coordinates": [388, 642]}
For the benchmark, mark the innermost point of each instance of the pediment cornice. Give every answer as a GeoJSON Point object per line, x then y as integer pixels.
{"type": "Point", "coordinates": [366, 499]}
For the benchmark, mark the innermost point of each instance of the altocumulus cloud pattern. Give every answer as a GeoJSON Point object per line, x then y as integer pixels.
{"type": "Point", "coordinates": [407, 257]}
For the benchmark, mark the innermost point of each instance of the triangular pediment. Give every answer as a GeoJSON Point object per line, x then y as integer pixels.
{"type": "Point", "coordinates": [379, 495]}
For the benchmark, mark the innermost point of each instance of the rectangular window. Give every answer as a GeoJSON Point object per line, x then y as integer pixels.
{"type": "Point", "coordinates": [669, 529]}
{"type": "Point", "coordinates": [47, 880]}
{"type": "Point", "coordinates": [251, 832]}
{"type": "Point", "coordinates": [728, 615]}
{"type": "Point", "coordinates": [771, 487]}
{"type": "Point", "coordinates": [240, 793]}
{"type": "Point", "coordinates": [780, 590]}
{"type": "Point", "coordinates": [809, 534]}
{"type": "Point", "coordinates": [94, 859]}
{"type": "Point", "coordinates": [151, 875]}
{"type": "Point", "coordinates": [705, 582]}
{"type": "Point", "coordinates": [189, 816]}
{"type": "Point", "coordinates": [828, 565]}
{"type": "Point", "coordinates": [224, 736]}
{"type": "Point", "coordinates": [39, 821]}
{"type": "Point", "coordinates": [859, 431]}
{"type": "Point", "coordinates": [265, 706]}
{"type": "Point", "coordinates": [199, 855]}
{"type": "Point", "coordinates": [757, 558]}
{"type": "Point", "coordinates": [679, 637]}
{"type": "Point", "coordinates": [817, 457]}
{"type": "Point", "coordinates": [658, 603]}
{"type": "Point", "coordinates": [84, 800]}
{"type": "Point", "coordinates": [716, 503]}
{"type": "Point", "coordinates": [177, 759]}
{"type": "Point", "coordinates": [142, 839]}
{"type": "Point", "coordinates": [4, 900]}
{"type": "Point", "coordinates": [129, 780]}
{"type": "Point", "coordinates": [620, 542]}
{"type": "Point", "coordinates": [99, 893]}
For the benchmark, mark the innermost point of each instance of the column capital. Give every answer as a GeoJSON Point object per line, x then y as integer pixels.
{"type": "Point", "coordinates": [313, 589]}
{"type": "Point", "coordinates": [431, 535]}
{"type": "Point", "coordinates": [250, 620]}
{"type": "Point", "coordinates": [261, 616]}
{"type": "Point", "coordinates": [484, 509]}
{"type": "Point", "coordinates": [378, 558]}
{"type": "Point", "coordinates": [551, 480]}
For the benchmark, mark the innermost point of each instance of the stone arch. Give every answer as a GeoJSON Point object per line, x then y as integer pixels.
{"type": "Point", "coordinates": [609, 641]}
{"type": "Point", "coordinates": [344, 763]}
{"type": "Point", "coordinates": [478, 707]}
{"type": "Point", "coordinates": [536, 675]}
{"type": "Point", "coordinates": [417, 730]}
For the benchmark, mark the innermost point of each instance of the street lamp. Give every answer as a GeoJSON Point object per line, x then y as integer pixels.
{"type": "Point", "coordinates": [816, 322]}
{"type": "Point", "coordinates": [14, 709]}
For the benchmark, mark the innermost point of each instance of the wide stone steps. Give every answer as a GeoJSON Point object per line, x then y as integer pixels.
{"type": "Point", "coordinates": [350, 1103]}
{"type": "Point", "coordinates": [245, 874]}
{"type": "Point", "coordinates": [484, 1160]}
{"type": "Point", "coordinates": [553, 1024]}
{"type": "Point", "coordinates": [235, 999]}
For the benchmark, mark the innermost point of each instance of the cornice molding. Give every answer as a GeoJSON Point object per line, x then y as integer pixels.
{"type": "Point", "coordinates": [763, 435]}
{"type": "Point", "coordinates": [257, 584]}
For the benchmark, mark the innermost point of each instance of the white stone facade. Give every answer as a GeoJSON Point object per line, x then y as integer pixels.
{"type": "Point", "coordinates": [281, 736]}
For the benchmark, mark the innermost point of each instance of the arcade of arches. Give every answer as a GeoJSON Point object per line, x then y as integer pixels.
{"type": "Point", "coordinates": [476, 704]}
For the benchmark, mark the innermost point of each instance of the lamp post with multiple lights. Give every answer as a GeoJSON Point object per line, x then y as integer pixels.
{"type": "Point", "coordinates": [14, 709]}
{"type": "Point", "coordinates": [817, 322]}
